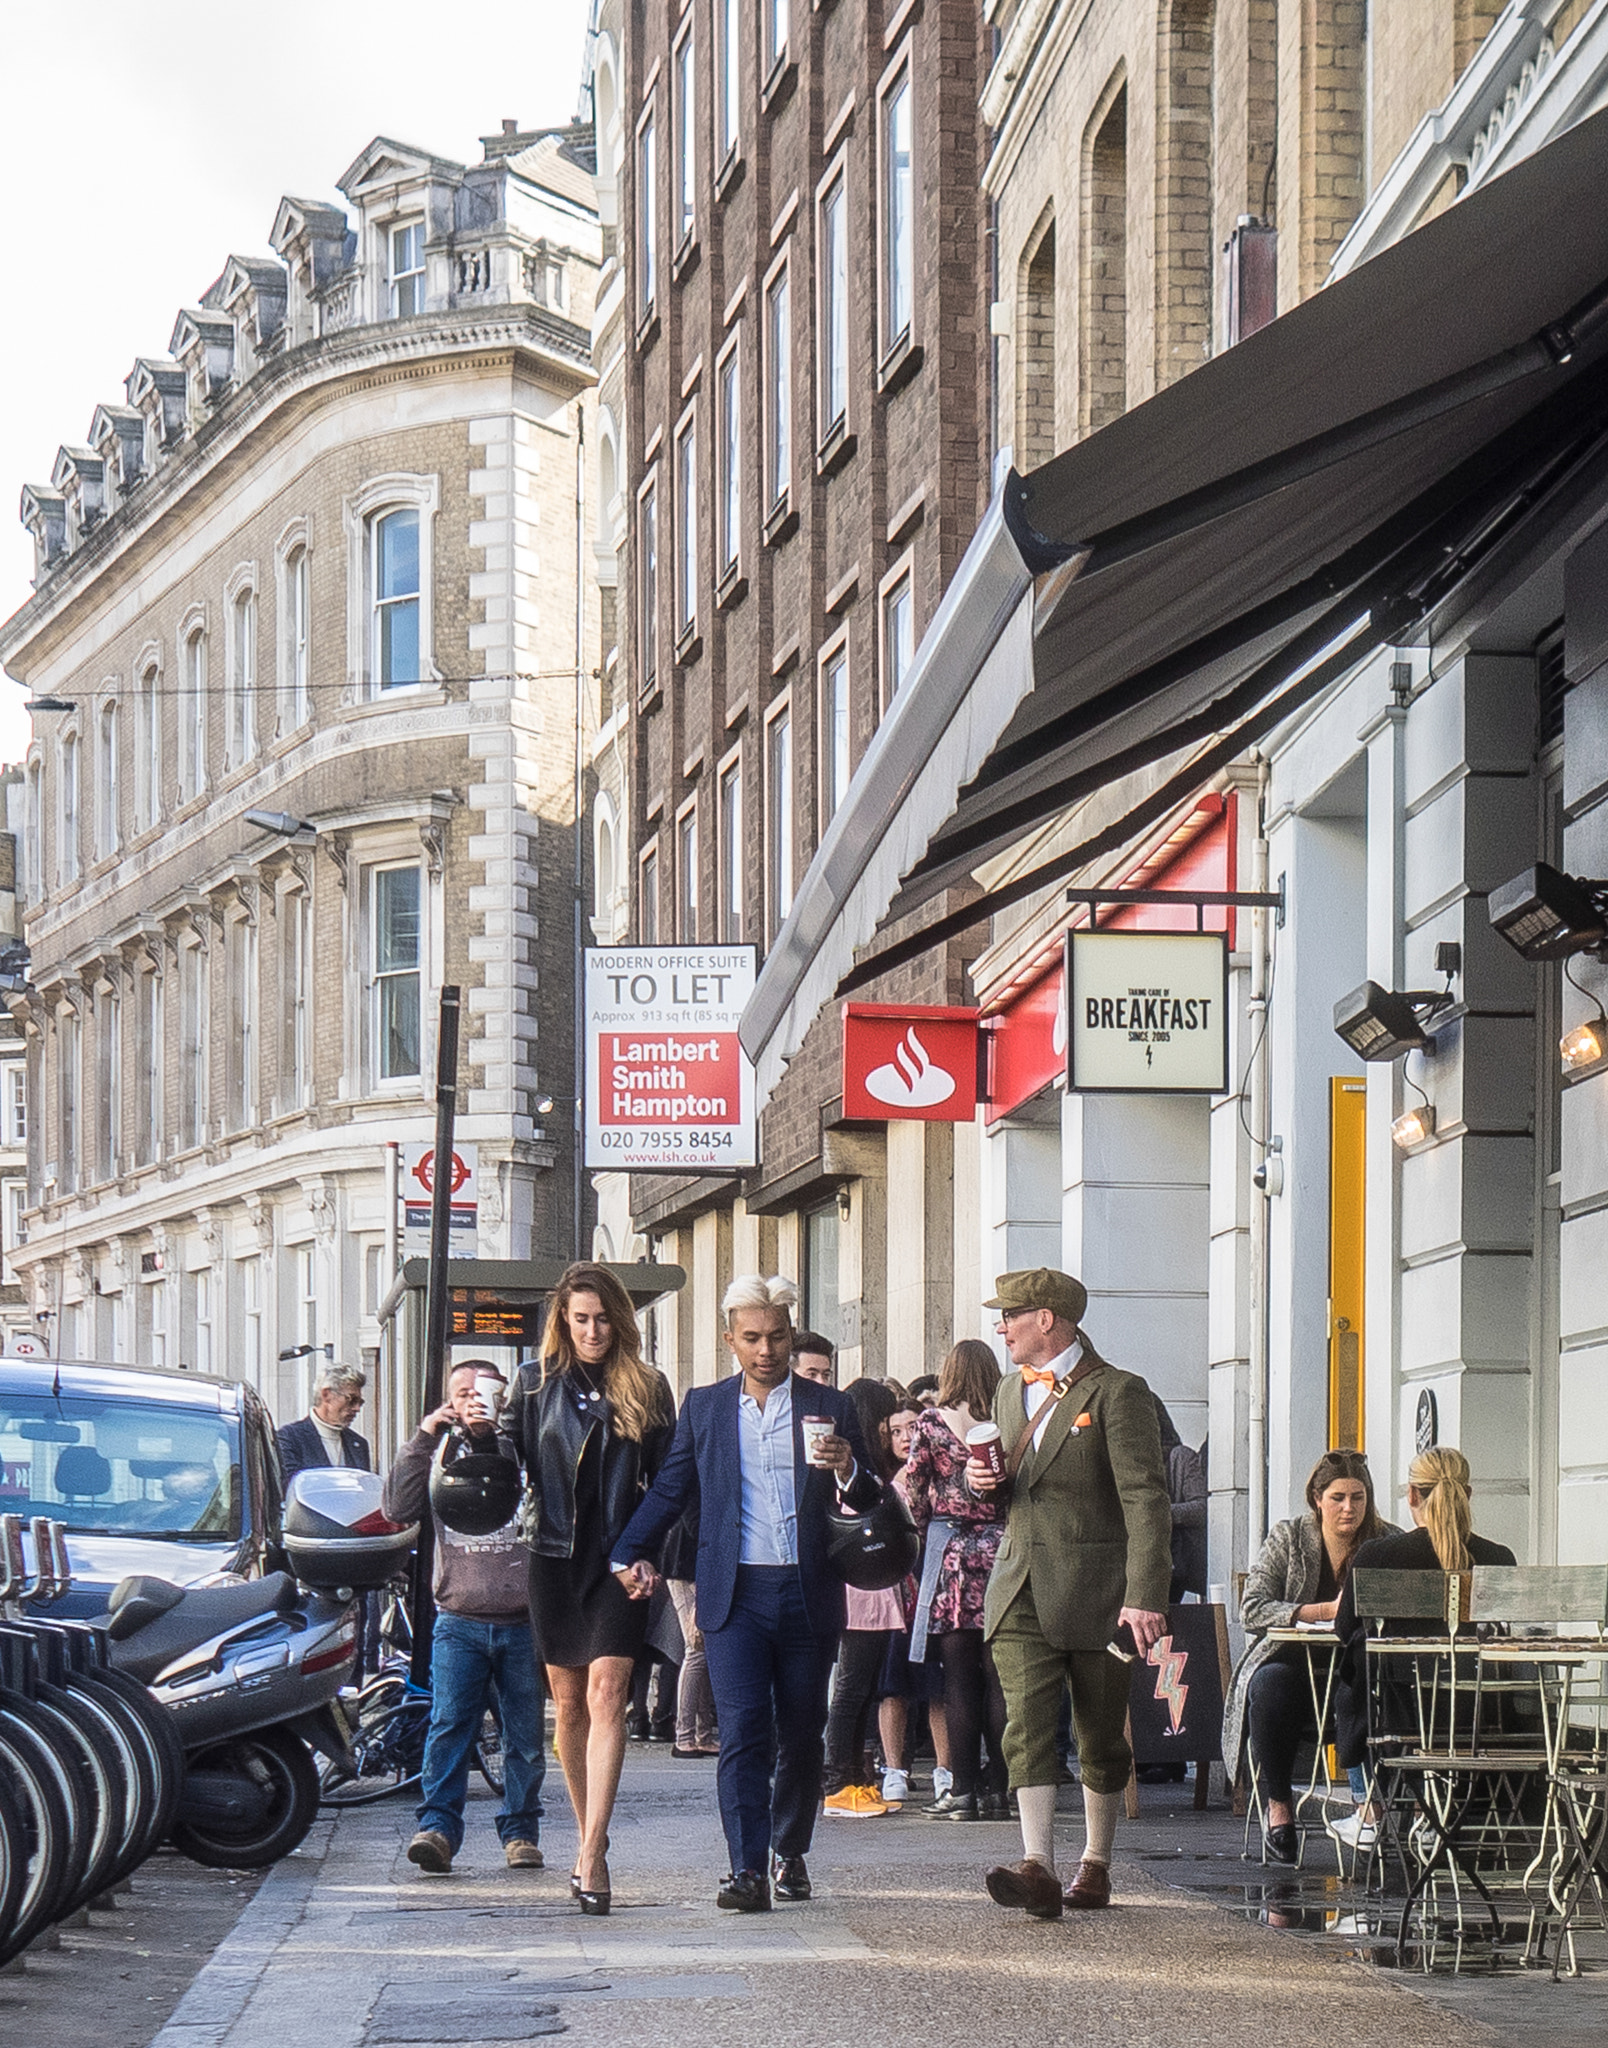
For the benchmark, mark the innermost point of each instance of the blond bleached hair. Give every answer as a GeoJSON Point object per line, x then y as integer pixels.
{"type": "Point", "coordinates": [755, 1290]}
{"type": "Point", "coordinates": [1443, 1481]}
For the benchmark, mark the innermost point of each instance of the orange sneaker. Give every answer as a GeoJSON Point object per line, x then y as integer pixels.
{"type": "Point", "coordinates": [855, 1802]}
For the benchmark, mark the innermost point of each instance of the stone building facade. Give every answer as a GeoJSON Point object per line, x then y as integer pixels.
{"type": "Point", "coordinates": [312, 596]}
{"type": "Point", "coordinates": [804, 429]}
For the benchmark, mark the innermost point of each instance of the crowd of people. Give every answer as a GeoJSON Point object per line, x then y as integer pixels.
{"type": "Point", "coordinates": [670, 1575]}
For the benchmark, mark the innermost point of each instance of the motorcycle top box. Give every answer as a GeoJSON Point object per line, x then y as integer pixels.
{"type": "Point", "coordinates": [335, 1534]}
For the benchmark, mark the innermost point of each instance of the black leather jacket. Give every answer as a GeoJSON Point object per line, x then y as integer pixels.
{"type": "Point", "coordinates": [547, 1424]}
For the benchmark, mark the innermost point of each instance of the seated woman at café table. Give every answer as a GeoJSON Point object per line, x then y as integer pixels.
{"type": "Point", "coordinates": [1440, 1501]}
{"type": "Point", "coordinates": [1297, 1578]}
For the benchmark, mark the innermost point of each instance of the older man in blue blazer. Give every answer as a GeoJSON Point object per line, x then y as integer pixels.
{"type": "Point", "coordinates": [770, 1606]}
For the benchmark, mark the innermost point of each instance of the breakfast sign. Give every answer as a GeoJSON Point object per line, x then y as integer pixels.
{"type": "Point", "coordinates": [668, 1086]}
{"type": "Point", "coordinates": [1147, 1012]}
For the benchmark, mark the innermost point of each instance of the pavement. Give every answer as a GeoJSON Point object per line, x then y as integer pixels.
{"type": "Point", "coordinates": [347, 1946]}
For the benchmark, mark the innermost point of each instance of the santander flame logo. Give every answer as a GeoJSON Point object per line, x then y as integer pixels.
{"type": "Point", "coordinates": [910, 1080]}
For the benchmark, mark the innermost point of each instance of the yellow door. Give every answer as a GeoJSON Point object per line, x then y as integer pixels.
{"type": "Point", "coordinates": [1347, 1105]}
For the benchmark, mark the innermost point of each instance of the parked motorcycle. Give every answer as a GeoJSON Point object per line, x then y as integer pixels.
{"type": "Point", "coordinates": [250, 1673]}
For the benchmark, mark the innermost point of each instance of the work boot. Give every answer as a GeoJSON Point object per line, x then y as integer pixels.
{"type": "Point", "coordinates": [431, 1851]}
{"type": "Point", "coordinates": [522, 1856]}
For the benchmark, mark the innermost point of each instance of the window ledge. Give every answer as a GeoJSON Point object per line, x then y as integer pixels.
{"type": "Point", "coordinates": [781, 524]}
{"type": "Point", "coordinates": [731, 589]}
{"type": "Point", "coordinates": [651, 695]}
{"type": "Point", "coordinates": [778, 88]}
{"type": "Point", "coordinates": [899, 366]}
{"type": "Point", "coordinates": [685, 260]}
{"type": "Point", "coordinates": [730, 174]}
{"type": "Point", "coordinates": [835, 450]}
{"type": "Point", "coordinates": [689, 645]}
{"type": "Point", "coordinates": [648, 329]}
{"type": "Point", "coordinates": [383, 695]}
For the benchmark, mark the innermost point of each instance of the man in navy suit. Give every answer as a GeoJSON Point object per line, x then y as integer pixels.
{"type": "Point", "coordinates": [770, 1606]}
{"type": "Point", "coordinates": [326, 1436]}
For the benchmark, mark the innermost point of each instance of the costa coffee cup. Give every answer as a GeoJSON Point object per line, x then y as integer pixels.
{"type": "Point", "coordinates": [984, 1442]}
{"type": "Point", "coordinates": [817, 1428]}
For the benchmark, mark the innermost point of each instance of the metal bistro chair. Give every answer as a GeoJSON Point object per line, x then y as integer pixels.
{"type": "Point", "coordinates": [1313, 1798]}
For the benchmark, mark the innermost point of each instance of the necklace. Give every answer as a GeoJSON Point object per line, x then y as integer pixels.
{"type": "Point", "coordinates": [592, 1393]}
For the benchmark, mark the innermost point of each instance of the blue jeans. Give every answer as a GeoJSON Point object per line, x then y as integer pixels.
{"type": "Point", "coordinates": [769, 1675]}
{"type": "Point", "coordinates": [469, 1661]}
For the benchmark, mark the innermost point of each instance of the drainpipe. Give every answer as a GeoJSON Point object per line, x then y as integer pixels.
{"type": "Point", "coordinates": [1259, 1086]}
{"type": "Point", "coordinates": [578, 1016]}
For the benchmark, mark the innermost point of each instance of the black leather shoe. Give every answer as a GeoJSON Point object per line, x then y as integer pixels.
{"type": "Point", "coordinates": [994, 1806]}
{"type": "Point", "coordinates": [1282, 1844]}
{"type": "Point", "coordinates": [790, 1879]}
{"type": "Point", "coordinates": [744, 1891]}
{"type": "Point", "coordinates": [965, 1808]}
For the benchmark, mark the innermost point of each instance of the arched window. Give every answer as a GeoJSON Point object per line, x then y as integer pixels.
{"type": "Point", "coordinates": [193, 715]}
{"type": "Point", "coordinates": [242, 677]}
{"type": "Point", "coordinates": [67, 812]}
{"type": "Point", "coordinates": [395, 654]}
{"type": "Point", "coordinates": [106, 783]}
{"type": "Point", "coordinates": [603, 877]}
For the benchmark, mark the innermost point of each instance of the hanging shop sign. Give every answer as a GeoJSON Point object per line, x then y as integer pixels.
{"type": "Point", "coordinates": [669, 1088]}
{"type": "Point", "coordinates": [1027, 1043]}
{"type": "Point", "coordinates": [1147, 1012]}
{"type": "Point", "coordinates": [418, 1186]}
{"type": "Point", "coordinates": [901, 1062]}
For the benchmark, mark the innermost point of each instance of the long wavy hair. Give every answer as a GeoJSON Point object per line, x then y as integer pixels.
{"type": "Point", "coordinates": [970, 1378]}
{"type": "Point", "coordinates": [1441, 1479]}
{"type": "Point", "coordinates": [638, 1397]}
{"type": "Point", "coordinates": [1335, 1465]}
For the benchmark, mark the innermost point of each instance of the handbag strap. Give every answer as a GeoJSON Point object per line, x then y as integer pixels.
{"type": "Point", "coordinates": [1087, 1364]}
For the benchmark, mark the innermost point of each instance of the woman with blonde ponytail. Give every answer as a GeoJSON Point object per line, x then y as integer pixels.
{"type": "Point", "coordinates": [1439, 1498]}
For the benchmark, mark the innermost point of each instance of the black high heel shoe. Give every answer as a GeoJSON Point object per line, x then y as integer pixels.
{"type": "Point", "coordinates": [577, 1893]}
{"type": "Point", "coordinates": [595, 1903]}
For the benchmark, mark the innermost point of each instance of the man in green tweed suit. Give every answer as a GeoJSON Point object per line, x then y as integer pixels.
{"type": "Point", "coordinates": [1087, 1547]}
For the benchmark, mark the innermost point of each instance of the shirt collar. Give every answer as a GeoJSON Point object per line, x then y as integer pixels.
{"type": "Point", "coordinates": [1068, 1359]}
{"type": "Point", "coordinates": [746, 1399]}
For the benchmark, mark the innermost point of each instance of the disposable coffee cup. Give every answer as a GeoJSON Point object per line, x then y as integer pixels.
{"type": "Point", "coordinates": [984, 1442]}
{"type": "Point", "coordinates": [489, 1388]}
{"type": "Point", "coordinates": [817, 1428]}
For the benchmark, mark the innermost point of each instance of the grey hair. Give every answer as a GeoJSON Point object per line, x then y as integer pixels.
{"type": "Point", "coordinates": [754, 1290]}
{"type": "Point", "coordinates": [340, 1379]}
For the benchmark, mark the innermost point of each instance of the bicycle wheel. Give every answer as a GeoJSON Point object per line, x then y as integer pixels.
{"type": "Point", "coordinates": [13, 1854]}
{"type": "Point", "coordinates": [138, 1774]}
{"type": "Point", "coordinates": [96, 1761]}
{"type": "Point", "coordinates": [388, 1752]}
{"type": "Point", "coordinates": [45, 1789]}
{"type": "Point", "coordinates": [162, 1737]}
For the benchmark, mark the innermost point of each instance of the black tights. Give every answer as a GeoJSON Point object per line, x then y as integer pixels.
{"type": "Point", "coordinates": [854, 1690]}
{"type": "Point", "coordinates": [974, 1706]}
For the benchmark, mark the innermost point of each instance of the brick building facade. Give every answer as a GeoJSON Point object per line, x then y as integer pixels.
{"type": "Point", "coordinates": [806, 411]}
{"type": "Point", "coordinates": [322, 564]}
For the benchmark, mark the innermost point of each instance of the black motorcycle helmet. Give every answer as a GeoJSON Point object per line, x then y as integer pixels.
{"type": "Point", "coordinates": [472, 1491]}
{"type": "Point", "coordinates": [874, 1547]}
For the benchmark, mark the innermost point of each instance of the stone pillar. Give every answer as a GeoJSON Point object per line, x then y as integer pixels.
{"type": "Point", "coordinates": [1136, 1231]}
{"type": "Point", "coordinates": [920, 1246]}
{"type": "Point", "coordinates": [862, 1279]}
{"type": "Point", "coordinates": [1019, 1195]}
{"type": "Point", "coordinates": [711, 1271]}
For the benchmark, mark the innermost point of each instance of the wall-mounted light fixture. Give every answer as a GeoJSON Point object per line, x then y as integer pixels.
{"type": "Point", "coordinates": [283, 826]}
{"type": "Point", "coordinates": [1584, 1044]}
{"type": "Point", "coordinates": [1546, 915]}
{"type": "Point", "coordinates": [1413, 1126]}
{"type": "Point", "coordinates": [1383, 1023]}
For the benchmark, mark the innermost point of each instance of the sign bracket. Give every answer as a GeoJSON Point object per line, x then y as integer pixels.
{"type": "Point", "coordinates": [1198, 900]}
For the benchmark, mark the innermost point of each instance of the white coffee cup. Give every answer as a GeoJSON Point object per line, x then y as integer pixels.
{"type": "Point", "coordinates": [488, 1389]}
{"type": "Point", "coordinates": [816, 1428]}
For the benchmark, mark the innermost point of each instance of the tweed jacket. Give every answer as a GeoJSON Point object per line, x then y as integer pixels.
{"type": "Point", "coordinates": [1090, 1523]}
{"type": "Point", "coordinates": [1284, 1577]}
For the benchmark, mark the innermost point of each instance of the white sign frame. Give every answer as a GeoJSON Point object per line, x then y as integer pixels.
{"type": "Point", "coordinates": [677, 999]}
{"type": "Point", "coordinates": [1096, 970]}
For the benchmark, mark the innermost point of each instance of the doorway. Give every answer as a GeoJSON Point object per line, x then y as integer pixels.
{"type": "Point", "coordinates": [1348, 1102]}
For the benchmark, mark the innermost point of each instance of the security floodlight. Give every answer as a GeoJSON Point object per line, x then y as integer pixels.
{"type": "Point", "coordinates": [282, 824]}
{"type": "Point", "coordinates": [1545, 915]}
{"type": "Point", "coordinates": [1380, 1024]}
{"type": "Point", "coordinates": [49, 704]}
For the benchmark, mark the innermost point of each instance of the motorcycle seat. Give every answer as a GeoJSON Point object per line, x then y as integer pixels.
{"type": "Point", "coordinates": [150, 1621]}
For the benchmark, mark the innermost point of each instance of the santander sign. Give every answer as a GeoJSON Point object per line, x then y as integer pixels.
{"type": "Point", "coordinates": [900, 1061]}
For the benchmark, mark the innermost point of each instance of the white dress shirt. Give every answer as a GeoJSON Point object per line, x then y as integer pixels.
{"type": "Point", "coordinates": [1035, 1395]}
{"type": "Point", "coordinates": [770, 1493]}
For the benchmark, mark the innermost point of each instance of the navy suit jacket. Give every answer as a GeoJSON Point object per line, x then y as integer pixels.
{"type": "Point", "coordinates": [704, 1469]}
{"type": "Point", "coordinates": [300, 1445]}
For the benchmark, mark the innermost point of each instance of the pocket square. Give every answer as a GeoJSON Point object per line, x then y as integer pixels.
{"type": "Point", "coordinates": [1084, 1421]}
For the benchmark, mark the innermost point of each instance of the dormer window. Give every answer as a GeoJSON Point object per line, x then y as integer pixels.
{"type": "Point", "coordinates": [407, 269]}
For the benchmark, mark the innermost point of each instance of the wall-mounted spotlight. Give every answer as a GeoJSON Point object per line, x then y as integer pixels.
{"type": "Point", "coordinates": [1382, 1023]}
{"type": "Point", "coordinates": [1546, 915]}
{"type": "Point", "coordinates": [1413, 1126]}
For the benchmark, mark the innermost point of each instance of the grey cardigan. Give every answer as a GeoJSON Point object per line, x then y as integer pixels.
{"type": "Point", "coordinates": [1284, 1577]}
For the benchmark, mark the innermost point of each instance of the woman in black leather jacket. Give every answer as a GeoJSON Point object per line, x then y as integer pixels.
{"type": "Point", "coordinates": [590, 1422]}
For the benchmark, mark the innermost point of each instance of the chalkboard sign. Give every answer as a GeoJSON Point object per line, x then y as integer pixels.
{"type": "Point", "coordinates": [1175, 1698]}
{"type": "Point", "coordinates": [1426, 1423]}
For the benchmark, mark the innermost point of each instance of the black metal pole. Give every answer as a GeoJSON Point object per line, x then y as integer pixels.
{"type": "Point", "coordinates": [435, 1308]}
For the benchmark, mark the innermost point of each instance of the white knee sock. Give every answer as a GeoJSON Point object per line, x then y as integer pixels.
{"type": "Point", "coordinates": [1036, 1804]}
{"type": "Point", "coordinates": [1100, 1811]}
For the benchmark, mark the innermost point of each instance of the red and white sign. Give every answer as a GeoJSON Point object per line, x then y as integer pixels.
{"type": "Point", "coordinates": [1027, 1043]}
{"type": "Point", "coordinates": [418, 1188]}
{"type": "Point", "coordinates": [668, 1085]}
{"type": "Point", "coordinates": [902, 1062]}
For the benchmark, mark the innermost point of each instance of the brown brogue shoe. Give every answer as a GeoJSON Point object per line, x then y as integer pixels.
{"type": "Point", "coordinates": [1091, 1887]}
{"type": "Point", "coordinates": [1028, 1885]}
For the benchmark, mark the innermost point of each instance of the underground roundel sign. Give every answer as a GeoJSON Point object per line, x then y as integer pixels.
{"type": "Point", "coordinates": [903, 1062]}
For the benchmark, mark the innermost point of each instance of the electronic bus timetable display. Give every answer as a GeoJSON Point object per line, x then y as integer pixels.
{"type": "Point", "coordinates": [669, 1088]}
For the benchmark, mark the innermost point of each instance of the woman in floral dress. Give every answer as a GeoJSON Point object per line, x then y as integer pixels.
{"type": "Point", "coordinates": [961, 1534]}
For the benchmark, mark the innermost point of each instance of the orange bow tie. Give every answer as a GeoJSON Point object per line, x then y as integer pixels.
{"type": "Point", "coordinates": [1034, 1376]}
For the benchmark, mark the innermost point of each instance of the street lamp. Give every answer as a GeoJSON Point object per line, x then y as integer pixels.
{"type": "Point", "coordinates": [282, 825]}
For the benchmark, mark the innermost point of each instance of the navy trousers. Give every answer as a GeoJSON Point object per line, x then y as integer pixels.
{"type": "Point", "coordinates": [770, 1676]}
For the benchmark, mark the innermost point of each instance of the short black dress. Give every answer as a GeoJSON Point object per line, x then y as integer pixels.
{"type": "Point", "coordinates": [578, 1608]}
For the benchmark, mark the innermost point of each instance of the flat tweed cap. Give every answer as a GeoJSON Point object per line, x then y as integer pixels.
{"type": "Point", "coordinates": [1041, 1287]}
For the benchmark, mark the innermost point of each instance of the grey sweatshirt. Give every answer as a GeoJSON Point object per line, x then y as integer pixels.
{"type": "Point", "coordinates": [480, 1577]}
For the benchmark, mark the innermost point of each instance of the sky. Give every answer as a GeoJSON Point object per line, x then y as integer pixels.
{"type": "Point", "coordinates": [143, 141]}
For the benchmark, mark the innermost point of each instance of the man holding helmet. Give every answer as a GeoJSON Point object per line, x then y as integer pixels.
{"type": "Point", "coordinates": [482, 1643]}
